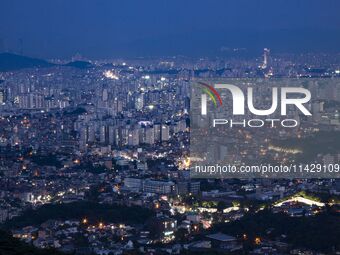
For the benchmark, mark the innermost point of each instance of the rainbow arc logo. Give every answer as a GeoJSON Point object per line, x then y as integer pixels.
{"type": "Point", "coordinates": [212, 93]}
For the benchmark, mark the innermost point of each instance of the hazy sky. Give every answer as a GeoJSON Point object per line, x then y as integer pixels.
{"type": "Point", "coordinates": [111, 28]}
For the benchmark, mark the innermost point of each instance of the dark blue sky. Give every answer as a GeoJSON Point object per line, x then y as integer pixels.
{"type": "Point", "coordinates": [118, 28]}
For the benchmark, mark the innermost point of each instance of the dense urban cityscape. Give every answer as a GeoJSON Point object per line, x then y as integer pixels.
{"type": "Point", "coordinates": [95, 159]}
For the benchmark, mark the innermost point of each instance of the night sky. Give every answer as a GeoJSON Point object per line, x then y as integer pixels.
{"type": "Point", "coordinates": [130, 28]}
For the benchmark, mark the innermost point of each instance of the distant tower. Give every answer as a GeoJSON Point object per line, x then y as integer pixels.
{"type": "Point", "coordinates": [77, 57]}
{"type": "Point", "coordinates": [266, 53]}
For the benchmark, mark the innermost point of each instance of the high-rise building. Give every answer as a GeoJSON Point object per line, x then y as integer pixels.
{"type": "Point", "coordinates": [157, 132]}
{"type": "Point", "coordinates": [105, 95]}
{"type": "Point", "coordinates": [149, 135]}
{"type": "Point", "coordinates": [139, 103]}
{"type": "Point", "coordinates": [2, 96]}
{"type": "Point", "coordinates": [165, 133]}
{"type": "Point", "coordinates": [266, 55]}
{"type": "Point", "coordinates": [133, 138]}
{"type": "Point", "coordinates": [104, 134]}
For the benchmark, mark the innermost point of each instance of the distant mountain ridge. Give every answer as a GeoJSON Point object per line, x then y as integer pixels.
{"type": "Point", "coordinates": [12, 62]}
{"type": "Point", "coordinates": [79, 64]}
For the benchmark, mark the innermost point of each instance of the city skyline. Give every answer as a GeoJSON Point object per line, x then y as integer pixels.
{"type": "Point", "coordinates": [163, 127]}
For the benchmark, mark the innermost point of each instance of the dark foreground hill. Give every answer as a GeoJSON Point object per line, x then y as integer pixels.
{"type": "Point", "coordinates": [12, 246]}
